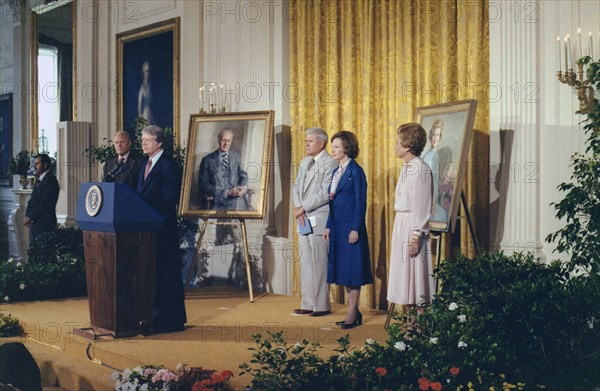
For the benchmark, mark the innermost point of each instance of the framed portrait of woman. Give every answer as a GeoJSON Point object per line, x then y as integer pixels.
{"type": "Point", "coordinates": [148, 76]}
{"type": "Point", "coordinates": [227, 165]}
{"type": "Point", "coordinates": [449, 127]}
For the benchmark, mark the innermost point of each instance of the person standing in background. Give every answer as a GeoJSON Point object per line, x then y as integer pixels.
{"type": "Point", "coordinates": [349, 258]}
{"type": "Point", "coordinates": [40, 215]}
{"type": "Point", "coordinates": [411, 275]}
{"type": "Point", "coordinates": [311, 207]}
{"type": "Point", "coordinates": [124, 167]}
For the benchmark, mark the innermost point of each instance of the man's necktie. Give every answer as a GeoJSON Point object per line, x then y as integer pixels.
{"type": "Point", "coordinates": [225, 161]}
{"type": "Point", "coordinates": [121, 161]}
{"type": "Point", "coordinates": [310, 164]}
{"type": "Point", "coordinates": [148, 167]}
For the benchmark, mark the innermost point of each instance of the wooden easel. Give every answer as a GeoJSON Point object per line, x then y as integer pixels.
{"type": "Point", "coordinates": [437, 236]}
{"type": "Point", "coordinates": [242, 224]}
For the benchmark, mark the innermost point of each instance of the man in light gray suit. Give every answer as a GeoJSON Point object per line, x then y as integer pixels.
{"type": "Point", "coordinates": [223, 182]}
{"type": "Point", "coordinates": [311, 205]}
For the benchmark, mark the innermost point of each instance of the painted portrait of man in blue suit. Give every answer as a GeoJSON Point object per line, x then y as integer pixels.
{"type": "Point", "coordinates": [223, 182]}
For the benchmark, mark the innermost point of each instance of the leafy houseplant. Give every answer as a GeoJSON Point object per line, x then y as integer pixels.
{"type": "Point", "coordinates": [580, 237]}
{"type": "Point", "coordinates": [19, 165]}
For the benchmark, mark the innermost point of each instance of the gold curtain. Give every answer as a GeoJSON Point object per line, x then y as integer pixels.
{"type": "Point", "coordinates": [365, 66]}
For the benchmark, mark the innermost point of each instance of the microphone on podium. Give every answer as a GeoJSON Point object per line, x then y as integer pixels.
{"type": "Point", "coordinates": [110, 177]}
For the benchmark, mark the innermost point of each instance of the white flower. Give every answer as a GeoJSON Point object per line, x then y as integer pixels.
{"type": "Point", "coordinates": [298, 345]}
{"type": "Point", "coordinates": [18, 264]}
{"type": "Point", "coordinates": [462, 344]}
{"type": "Point", "coordinates": [126, 373]}
{"type": "Point", "coordinates": [370, 341]}
{"type": "Point", "coordinates": [10, 260]}
{"type": "Point", "coordinates": [22, 286]}
{"type": "Point", "coordinates": [590, 323]}
{"type": "Point", "coordinates": [462, 318]}
{"type": "Point", "coordinates": [144, 387]}
{"type": "Point", "coordinates": [433, 340]}
{"type": "Point", "coordinates": [401, 346]}
{"type": "Point", "coordinates": [115, 376]}
{"type": "Point", "coordinates": [341, 357]}
{"type": "Point", "coordinates": [138, 370]}
{"type": "Point", "coordinates": [453, 306]}
{"type": "Point", "coordinates": [6, 298]}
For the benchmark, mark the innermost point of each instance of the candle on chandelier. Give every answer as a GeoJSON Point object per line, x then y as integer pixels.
{"type": "Point", "coordinates": [559, 59]}
{"type": "Point", "coordinates": [566, 55]}
{"type": "Point", "coordinates": [569, 52]}
{"type": "Point", "coordinates": [591, 45]}
{"type": "Point", "coordinates": [580, 52]}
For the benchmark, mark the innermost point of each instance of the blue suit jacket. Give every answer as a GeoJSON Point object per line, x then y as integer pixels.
{"type": "Point", "coordinates": [161, 188]}
{"type": "Point", "coordinates": [349, 264]}
{"type": "Point", "coordinates": [350, 202]}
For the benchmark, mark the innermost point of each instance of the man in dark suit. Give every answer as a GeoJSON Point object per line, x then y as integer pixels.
{"type": "Point", "coordinates": [124, 167]}
{"type": "Point", "coordinates": [40, 215]}
{"type": "Point", "coordinates": [223, 182]}
{"type": "Point", "coordinates": [159, 183]}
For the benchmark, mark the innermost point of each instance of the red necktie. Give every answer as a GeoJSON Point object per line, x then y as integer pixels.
{"type": "Point", "coordinates": [148, 167]}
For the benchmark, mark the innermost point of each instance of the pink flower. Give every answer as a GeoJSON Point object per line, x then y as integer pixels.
{"type": "Point", "coordinates": [381, 371]}
{"type": "Point", "coordinates": [454, 371]}
{"type": "Point", "coordinates": [436, 386]}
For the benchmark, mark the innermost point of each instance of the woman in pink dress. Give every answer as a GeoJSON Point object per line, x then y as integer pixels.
{"type": "Point", "coordinates": [410, 279]}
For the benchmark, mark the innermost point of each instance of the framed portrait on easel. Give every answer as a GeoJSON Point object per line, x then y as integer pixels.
{"type": "Point", "coordinates": [449, 127]}
{"type": "Point", "coordinates": [227, 165]}
{"type": "Point", "coordinates": [226, 182]}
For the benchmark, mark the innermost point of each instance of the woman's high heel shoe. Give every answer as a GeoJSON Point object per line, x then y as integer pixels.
{"type": "Point", "coordinates": [357, 322]}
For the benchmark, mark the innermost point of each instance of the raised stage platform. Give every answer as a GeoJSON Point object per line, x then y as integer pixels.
{"type": "Point", "coordinates": [217, 336]}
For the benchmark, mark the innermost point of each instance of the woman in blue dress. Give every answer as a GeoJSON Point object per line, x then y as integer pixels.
{"type": "Point", "coordinates": [349, 258]}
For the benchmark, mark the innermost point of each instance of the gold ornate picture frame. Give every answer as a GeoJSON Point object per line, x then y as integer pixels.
{"type": "Point", "coordinates": [447, 158]}
{"type": "Point", "coordinates": [148, 76]}
{"type": "Point", "coordinates": [238, 188]}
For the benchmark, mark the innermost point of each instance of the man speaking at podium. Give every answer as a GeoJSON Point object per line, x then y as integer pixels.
{"type": "Point", "coordinates": [123, 168]}
{"type": "Point", "coordinates": [159, 183]}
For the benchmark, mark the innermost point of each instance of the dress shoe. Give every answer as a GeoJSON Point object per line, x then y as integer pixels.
{"type": "Point", "coordinates": [357, 322]}
{"type": "Point", "coordinates": [300, 311]}
{"type": "Point", "coordinates": [320, 313]}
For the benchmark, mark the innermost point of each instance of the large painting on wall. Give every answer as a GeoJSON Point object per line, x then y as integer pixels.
{"type": "Point", "coordinates": [148, 76]}
{"type": "Point", "coordinates": [449, 127]}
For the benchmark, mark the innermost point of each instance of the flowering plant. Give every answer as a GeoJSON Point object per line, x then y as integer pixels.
{"type": "Point", "coordinates": [9, 326]}
{"type": "Point", "coordinates": [500, 323]}
{"type": "Point", "coordinates": [19, 165]}
{"type": "Point", "coordinates": [159, 378]}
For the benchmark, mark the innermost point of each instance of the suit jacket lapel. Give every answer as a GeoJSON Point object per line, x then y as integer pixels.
{"type": "Point", "coordinates": [155, 170]}
{"type": "Point", "coordinates": [308, 177]}
{"type": "Point", "coordinates": [345, 176]}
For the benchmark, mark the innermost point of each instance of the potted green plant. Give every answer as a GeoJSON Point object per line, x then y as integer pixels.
{"type": "Point", "coordinates": [19, 165]}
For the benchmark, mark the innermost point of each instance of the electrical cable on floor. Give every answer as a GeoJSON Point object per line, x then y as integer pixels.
{"type": "Point", "coordinates": [97, 361]}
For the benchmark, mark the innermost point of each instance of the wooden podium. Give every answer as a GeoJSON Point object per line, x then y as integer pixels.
{"type": "Point", "coordinates": [119, 237]}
